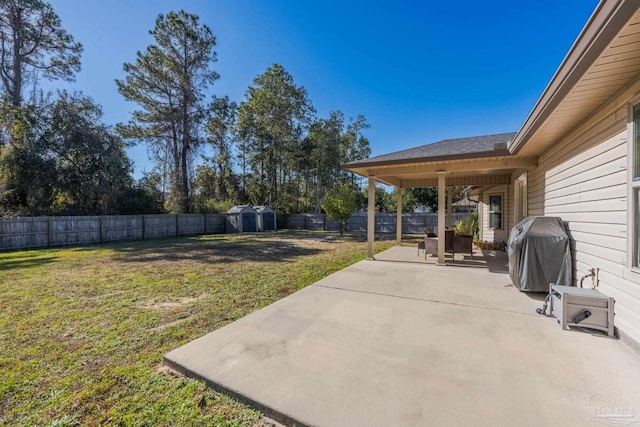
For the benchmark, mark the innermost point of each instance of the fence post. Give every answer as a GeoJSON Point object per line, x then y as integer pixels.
{"type": "Point", "coordinates": [101, 229]}
{"type": "Point", "coordinates": [205, 223]}
{"type": "Point", "coordinates": [177, 226]}
{"type": "Point", "coordinates": [324, 222]}
{"type": "Point", "coordinates": [144, 231]}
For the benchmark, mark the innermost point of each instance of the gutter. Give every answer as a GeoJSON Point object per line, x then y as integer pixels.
{"type": "Point", "coordinates": [604, 24]}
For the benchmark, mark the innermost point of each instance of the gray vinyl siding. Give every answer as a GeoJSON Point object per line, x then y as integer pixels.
{"type": "Point", "coordinates": [583, 180]}
{"type": "Point", "coordinates": [497, 235]}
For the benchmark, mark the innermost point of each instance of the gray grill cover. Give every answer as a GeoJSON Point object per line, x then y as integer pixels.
{"type": "Point", "coordinates": [539, 254]}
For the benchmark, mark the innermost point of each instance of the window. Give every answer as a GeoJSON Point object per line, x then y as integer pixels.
{"type": "Point", "coordinates": [495, 211]}
{"type": "Point", "coordinates": [520, 189]}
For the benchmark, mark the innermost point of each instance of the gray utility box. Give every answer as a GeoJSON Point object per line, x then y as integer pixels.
{"type": "Point", "coordinates": [572, 301]}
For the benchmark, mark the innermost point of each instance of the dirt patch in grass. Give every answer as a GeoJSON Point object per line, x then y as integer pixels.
{"type": "Point", "coordinates": [171, 324]}
{"type": "Point", "coordinates": [83, 330]}
{"type": "Point", "coordinates": [163, 305]}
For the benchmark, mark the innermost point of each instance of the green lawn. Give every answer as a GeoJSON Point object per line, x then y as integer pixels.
{"type": "Point", "coordinates": [83, 330]}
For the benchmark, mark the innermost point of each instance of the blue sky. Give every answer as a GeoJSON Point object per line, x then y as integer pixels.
{"type": "Point", "coordinates": [419, 71]}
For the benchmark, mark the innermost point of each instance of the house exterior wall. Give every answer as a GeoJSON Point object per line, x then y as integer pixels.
{"type": "Point", "coordinates": [582, 178]}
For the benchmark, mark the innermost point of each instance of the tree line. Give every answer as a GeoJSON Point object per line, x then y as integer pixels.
{"type": "Point", "coordinates": [58, 156]}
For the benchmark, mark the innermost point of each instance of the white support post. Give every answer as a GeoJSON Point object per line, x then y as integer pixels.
{"type": "Point", "coordinates": [480, 208]}
{"type": "Point", "coordinates": [449, 206]}
{"type": "Point", "coordinates": [441, 219]}
{"type": "Point", "coordinates": [399, 217]}
{"type": "Point", "coordinates": [371, 217]}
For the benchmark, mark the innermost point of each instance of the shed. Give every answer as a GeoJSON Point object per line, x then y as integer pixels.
{"type": "Point", "coordinates": [266, 218]}
{"type": "Point", "coordinates": [467, 204]}
{"type": "Point", "coordinates": [242, 219]}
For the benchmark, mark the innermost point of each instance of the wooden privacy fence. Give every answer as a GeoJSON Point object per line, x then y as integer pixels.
{"type": "Point", "coordinates": [412, 223]}
{"type": "Point", "coordinates": [43, 232]}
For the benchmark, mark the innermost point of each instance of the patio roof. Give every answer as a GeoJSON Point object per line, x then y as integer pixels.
{"type": "Point", "coordinates": [478, 160]}
{"type": "Point", "coordinates": [448, 149]}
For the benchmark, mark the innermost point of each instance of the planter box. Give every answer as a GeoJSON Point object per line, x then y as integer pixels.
{"type": "Point", "coordinates": [463, 244]}
{"type": "Point", "coordinates": [453, 244]}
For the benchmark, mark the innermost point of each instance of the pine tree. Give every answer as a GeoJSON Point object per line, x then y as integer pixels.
{"type": "Point", "coordinates": [33, 44]}
{"type": "Point", "coordinates": [271, 122]}
{"type": "Point", "coordinates": [220, 129]}
{"type": "Point", "coordinates": [168, 81]}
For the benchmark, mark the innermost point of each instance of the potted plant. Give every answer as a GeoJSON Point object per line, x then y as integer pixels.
{"type": "Point", "coordinates": [464, 232]}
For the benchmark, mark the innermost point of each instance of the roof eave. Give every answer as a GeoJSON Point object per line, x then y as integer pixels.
{"type": "Point", "coordinates": [603, 25]}
{"type": "Point", "coordinates": [394, 162]}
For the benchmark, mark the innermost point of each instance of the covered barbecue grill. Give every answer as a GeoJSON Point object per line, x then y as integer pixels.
{"type": "Point", "coordinates": [539, 254]}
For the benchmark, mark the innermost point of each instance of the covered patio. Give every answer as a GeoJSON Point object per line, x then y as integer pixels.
{"type": "Point", "coordinates": [494, 261]}
{"type": "Point", "coordinates": [482, 162]}
{"type": "Point", "coordinates": [408, 344]}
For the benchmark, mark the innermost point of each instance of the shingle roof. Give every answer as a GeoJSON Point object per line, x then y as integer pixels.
{"type": "Point", "coordinates": [238, 209]}
{"type": "Point", "coordinates": [465, 201]}
{"type": "Point", "coordinates": [262, 208]}
{"type": "Point", "coordinates": [476, 146]}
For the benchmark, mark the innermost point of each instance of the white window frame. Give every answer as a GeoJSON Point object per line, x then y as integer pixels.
{"type": "Point", "coordinates": [489, 211]}
{"type": "Point", "coordinates": [633, 194]}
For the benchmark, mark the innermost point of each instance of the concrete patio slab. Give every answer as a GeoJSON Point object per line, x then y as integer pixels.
{"type": "Point", "coordinates": [494, 260]}
{"type": "Point", "coordinates": [384, 343]}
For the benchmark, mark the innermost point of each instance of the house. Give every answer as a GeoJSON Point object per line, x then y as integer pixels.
{"type": "Point", "coordinates": [577, 156]}
{"type": "Point", "coordinates": [422, 209]}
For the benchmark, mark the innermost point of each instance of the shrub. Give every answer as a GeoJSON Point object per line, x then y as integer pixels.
{"type": "Point", "coordinates": [469, 227]}
{"type": "Point", "coordinates": [339, 203]}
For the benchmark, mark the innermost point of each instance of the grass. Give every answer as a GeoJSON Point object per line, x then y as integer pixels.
{"type": "Point", "coordinates": [83, 330]}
